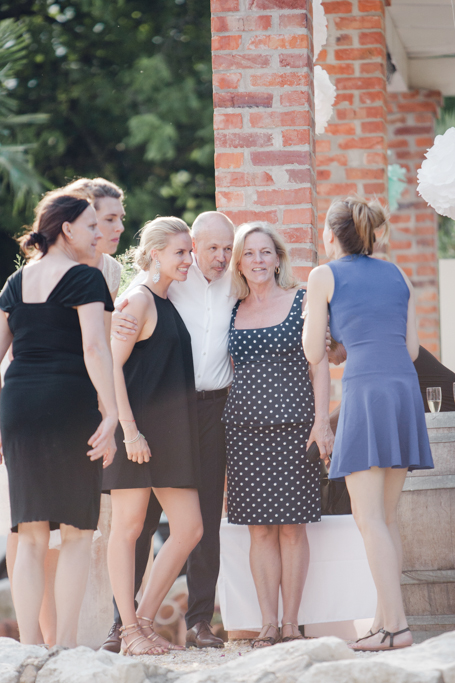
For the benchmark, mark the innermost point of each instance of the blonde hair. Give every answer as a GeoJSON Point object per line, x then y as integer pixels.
{"type": "Point", "coordinates": [155, 235]}
{"type": "Point", "coordinates": [354, 222]}
{"type": "Point", "coordinates": [96, 188]}
{"type": "Point", "coordinates": [284, 278]}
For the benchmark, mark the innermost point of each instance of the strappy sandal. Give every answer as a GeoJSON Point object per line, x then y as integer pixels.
{"type": "Point", "coordinates": [131, 649]}
{"type": "Point", "coordinates": [288, 639]}
{"type": "Point", "coordinates": [368, 635]}
{"type": "Point", "coordinates": [378, 648]}
{"type": "Point", "coordinates": [269, 640]}
{"type": "Point", "coordinates": [154, 636]}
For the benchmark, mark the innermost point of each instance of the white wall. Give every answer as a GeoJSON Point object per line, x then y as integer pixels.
{"type": "Point", "coordinates": [447, 311]}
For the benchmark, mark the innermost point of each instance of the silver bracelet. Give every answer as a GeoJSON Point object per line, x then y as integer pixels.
{"type": "Point", "coordinates": [136, 438]}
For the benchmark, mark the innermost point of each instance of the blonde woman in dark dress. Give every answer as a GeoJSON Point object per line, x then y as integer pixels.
{"type": "Point", "coordinates": [157, 440]}
{"type": "Point", "coordinates": [55, 440]}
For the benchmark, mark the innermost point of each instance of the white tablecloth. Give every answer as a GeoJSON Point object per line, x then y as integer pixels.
{"type": "Point", "coordinates": [339, 586]}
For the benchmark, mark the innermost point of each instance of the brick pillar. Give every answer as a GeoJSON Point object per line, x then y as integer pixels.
{"type": "Point", "coordinates": [351, 155]}
{"type": "Point", "coordinates": [264, 118]}
{"type": "Point", "coordinates": [414, 240]}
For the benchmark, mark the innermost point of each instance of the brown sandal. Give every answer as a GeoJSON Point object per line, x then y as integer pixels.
{"type": "Point", "coordinates": [154, 636]}
{"type": "Point", "coordinates": [130, 649]}
{"type": "Point", "coordinates": [269, 640]}
{"type": "Point", "coordinates": [368, 635]}
{"type": "Point", "coordinates": [382, 647]}
{"type": "Point", "coordinates": [288, 639]}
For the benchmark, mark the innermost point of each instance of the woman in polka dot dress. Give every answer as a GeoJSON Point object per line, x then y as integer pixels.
{"type": "Point", "coordinates": [273, 412]}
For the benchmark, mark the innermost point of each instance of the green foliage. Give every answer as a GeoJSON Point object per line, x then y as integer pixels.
{"type": "Point", "coordinates": [18, 180]}
{"type": "Point", "coordinates": [126, 87]}
{"type": "Point", "coordinates": [128, 270]}
{"type": "Point", "coordinates": [397, 183]}
{"type": "Point", "coordinates": [446, 237]}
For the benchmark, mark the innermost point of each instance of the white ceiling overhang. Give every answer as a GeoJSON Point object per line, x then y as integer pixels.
{"type": "Point", "coordinates": [421, 41]}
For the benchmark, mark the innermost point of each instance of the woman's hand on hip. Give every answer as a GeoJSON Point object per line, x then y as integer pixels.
{"type": "Point", "coordinates": [323, 435]}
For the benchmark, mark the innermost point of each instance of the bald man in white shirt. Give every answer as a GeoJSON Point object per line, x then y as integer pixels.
{"type": "Point", "coordinates": [205, 304]}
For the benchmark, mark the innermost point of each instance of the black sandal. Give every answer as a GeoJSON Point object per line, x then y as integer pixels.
{"type": "Point", "coordinates": [388, 634]}
{"type": "Point", "coordinates": [269, 640]}
{"type": "Point", "coordinates": [288, 639]}
{"type": "Point", "coordinates": [378, 648]}
{"type": "Point", "coordinates": [368, 635]}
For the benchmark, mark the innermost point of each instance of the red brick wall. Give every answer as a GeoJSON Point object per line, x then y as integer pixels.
{"type": "Point", "coordinates": [351, 155]}
{"type": "Point", "coordinates": [264, 118]}
{"type": "Point", "coordinates": [414, 239]}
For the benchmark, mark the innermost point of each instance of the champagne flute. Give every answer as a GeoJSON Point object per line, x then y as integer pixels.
{"type": "Point", "coordinates": [434, 399]}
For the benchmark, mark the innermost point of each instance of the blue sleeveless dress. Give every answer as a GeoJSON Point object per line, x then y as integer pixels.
{"type": "Point", "coordinates": [382, 418]}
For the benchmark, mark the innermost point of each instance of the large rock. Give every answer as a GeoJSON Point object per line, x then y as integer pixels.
{"type": "Point", "coordinates": [83, 664]}
{"type": "Point", "coordinates": [285, 663]}
{"type": "Point", "coordinates": [430, 662]}
{"type": "Point", "coordinates": [363, 670]}
{"type": "Point", "coordinates": [324, 660]}
{"type": "Point", "coordinates": [14, 657]}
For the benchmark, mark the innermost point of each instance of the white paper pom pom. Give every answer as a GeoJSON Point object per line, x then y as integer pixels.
{"type": "Point", "coordinates": [437, 175]}
{"type": "Point", "coordinates": [324, 97]}
{"type": "Point", "coordinates": [319, 27]}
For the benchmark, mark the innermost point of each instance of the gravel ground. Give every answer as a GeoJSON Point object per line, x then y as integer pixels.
{"type": "Point", "coordinates": [209, 658]}
{"type": "Point", "coordinates": [194, 659]}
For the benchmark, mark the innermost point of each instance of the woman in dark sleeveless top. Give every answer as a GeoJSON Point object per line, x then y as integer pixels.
{"type": "Point", "coordinates": [54, 437]}
{"type": "Point", "coordinates": [271, 415]}
{"type": "Point", "coordinates": [157, 443]}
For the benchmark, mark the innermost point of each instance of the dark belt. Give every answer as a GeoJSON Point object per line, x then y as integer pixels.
{"type": "Point", "coordinates": [210, 395]}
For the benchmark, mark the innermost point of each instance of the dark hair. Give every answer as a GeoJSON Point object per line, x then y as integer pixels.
{"type": "Point", "coordinates": [55, 208]}
{"type": "Point", "coordinates": [96, 188]}
{"type": "Point", "coordinates": [354, 222]}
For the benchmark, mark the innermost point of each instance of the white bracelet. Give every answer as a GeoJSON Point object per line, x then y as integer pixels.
{"type": "Point", "coordinates": [136, 438]}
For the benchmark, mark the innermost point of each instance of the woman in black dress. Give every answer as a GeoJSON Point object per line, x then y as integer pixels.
{"type": "Point", "coordinates": [157, 443]}
{"type": "Point", "coordinates": [54, 438]}
{"type": "Point", "coordinates": [271, 417]}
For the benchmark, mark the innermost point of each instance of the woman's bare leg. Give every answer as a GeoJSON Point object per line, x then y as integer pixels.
{"type": "Point", "coordinates": [185, 524]}
{"type": "Point", "coordinates": [392, 491]}
{"type": "Point", "coordinates": [265, 563]}
{"type": "Point", "coordinates": [28, 579]}
{"type": "Point", "coordinates": [70, 581]}
{"type": "Point", "coordinates": [48, 613]}
{"type": "Point", "coordinates": [11, 552]}
{"type": "Point", "coordinates": [295, 559]}
{"type": "Point", "coordinates": [367, 492]}
{"type": "Point", "coordinates": [129, 507]}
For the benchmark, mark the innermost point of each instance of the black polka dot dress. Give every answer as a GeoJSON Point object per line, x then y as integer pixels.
{"type": "Point", "coordinates": [268, 416]}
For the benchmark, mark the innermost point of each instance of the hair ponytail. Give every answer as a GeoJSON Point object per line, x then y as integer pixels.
{"type": "Point", "coordinates": [354, 222]}
{"type": "Point", "coordinates": [55, 208]}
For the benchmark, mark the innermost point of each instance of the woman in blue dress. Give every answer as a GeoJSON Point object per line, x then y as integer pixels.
{"type": "Point", "coordinates": [372, 313]}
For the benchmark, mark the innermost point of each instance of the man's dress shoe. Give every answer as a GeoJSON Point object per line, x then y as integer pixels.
{"type": "Point", "coordinates": [201, 636]}
{"type": "Point", "coordinates": [113, 642]}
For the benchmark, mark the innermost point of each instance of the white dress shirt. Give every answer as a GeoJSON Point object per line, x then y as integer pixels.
{"type": "Point", "coordinates": [206, 309]}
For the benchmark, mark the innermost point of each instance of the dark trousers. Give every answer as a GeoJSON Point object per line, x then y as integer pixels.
{"type": "Point", "coordinates": [203, 564]}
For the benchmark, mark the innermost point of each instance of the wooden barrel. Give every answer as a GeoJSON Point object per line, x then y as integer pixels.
{"type": "Point", "coordinates": [426, 516]}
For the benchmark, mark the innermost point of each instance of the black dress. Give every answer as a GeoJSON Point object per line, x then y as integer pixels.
{"type": "Point", "coordinates": [269, 414]}
{"type": "Point", "coordinates": [49, 406]}
{"type": "Point", "coordinates": [159, 378]}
